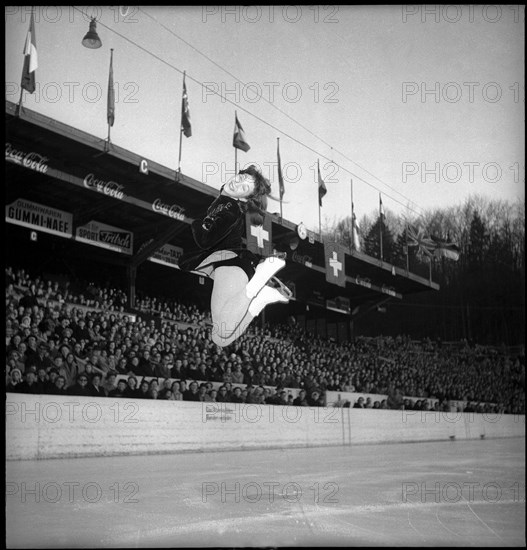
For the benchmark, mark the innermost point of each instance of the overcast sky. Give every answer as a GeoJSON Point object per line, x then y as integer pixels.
{"type": "Point", "coordinates": [422, 103]}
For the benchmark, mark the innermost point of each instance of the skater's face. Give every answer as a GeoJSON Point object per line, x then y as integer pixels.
{"type": "Point", "coordinates": [239, 186]}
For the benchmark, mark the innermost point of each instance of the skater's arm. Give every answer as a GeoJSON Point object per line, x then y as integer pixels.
{"type": "Point", "coordinates": [214, 227]}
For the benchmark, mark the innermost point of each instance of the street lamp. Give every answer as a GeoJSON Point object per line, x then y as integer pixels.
{"type": "Point", "coordinates": [92, 40]}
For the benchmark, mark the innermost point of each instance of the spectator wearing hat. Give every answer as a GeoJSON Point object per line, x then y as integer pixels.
{"type": "Point", "coordinates": [42, 359]}
{"type": "Point", "coordinates": [15, 380]}
{"type": "Point", "coordinates": [80, 331]}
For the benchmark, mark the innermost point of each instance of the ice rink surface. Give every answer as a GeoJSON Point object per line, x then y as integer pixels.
{"type": "Point", "coordinates": [451, 493]}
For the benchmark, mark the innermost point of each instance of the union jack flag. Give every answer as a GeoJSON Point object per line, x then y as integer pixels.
{"type": "Point", "coordinates": [431, 246]}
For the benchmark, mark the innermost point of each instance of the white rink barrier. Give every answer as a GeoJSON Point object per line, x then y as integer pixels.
{"type": "Point", "coordinates": [52, 426]}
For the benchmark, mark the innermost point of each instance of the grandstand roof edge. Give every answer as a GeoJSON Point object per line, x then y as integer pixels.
{"type": "Point", "coordinates": [98, 143]}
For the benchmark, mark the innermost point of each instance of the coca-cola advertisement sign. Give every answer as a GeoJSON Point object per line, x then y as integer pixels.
{"type": "Point", "coordinates": [32, 160]}
{"type": "Point", "coordinates": [110, 188]}
{"type": "Point", "coordinates": [170, 210]}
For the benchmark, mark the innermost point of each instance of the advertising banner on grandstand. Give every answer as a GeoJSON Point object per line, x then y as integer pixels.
{"type": "Point", "coordinates": [260, 238]}
{"type": "Point", "coordinates": [316, 297]}
{"type": "Point", "coordinates": [28, 159]}
{"type": "Point", "coordinates": [340, 304]}
{"type": "Point", "coordinates": [37, 216]}
{"type": "Point", "coordinates": [167, 255]}
{"type": "Point", "coordinates": [105, 236]}
{"type": "Point", "coordinates": [334, 256]}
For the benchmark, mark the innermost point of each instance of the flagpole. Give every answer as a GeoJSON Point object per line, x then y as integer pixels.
{"type": "Point", "coordinates": [407, 253]}
{"type": "Point", "coordinates": [235, 148]}
{"type": "Point", "coordinates": [430, 268]}
{"type": "Point", "coordinates": [352, 219]}
{"type": "Point", "coordinates": [319, 202]}
{"type": "Point", "coordinates": [19, 106]}
{"type": "Point", "coordinates": [180, 132]}
{"type": "Point", "coordinates": [107, 144]}
{"type": "Point", "coordinates": [380, 226]}
{"type": "Point", "coordinates": [279, 168]}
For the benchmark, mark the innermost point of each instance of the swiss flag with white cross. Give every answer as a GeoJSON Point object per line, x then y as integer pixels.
{"type": "Point", "coordinates": [334, 256]}
{"type": "Point", "coordinates": [259, 237]}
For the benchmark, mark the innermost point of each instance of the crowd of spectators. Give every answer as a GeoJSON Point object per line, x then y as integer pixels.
{"type": "Point", "coordinates": [74, 337]}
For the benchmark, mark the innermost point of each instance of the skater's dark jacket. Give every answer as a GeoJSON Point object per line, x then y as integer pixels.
{"type": "Point", "coordinates": [220, 230]}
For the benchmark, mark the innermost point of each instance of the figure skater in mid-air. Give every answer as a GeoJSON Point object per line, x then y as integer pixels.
{"type": "Point", "coordinates": [242, 286]}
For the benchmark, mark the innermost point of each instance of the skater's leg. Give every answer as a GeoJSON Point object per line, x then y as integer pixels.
{"type": "Point", "coordinates": [229, 304]}
{"type": "Point", "coordinates": [265, 297]}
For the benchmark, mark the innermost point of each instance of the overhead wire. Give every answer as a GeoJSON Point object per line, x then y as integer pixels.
{"type": "Point", "coordinates": [238, 106]}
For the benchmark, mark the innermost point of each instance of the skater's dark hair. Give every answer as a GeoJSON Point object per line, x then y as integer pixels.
{"type": "Point", "coordinates": [256, 203]}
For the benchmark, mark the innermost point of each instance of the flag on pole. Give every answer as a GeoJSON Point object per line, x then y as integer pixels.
{"type": "Point", "coordinates": [334, 259]}
{"type": "Point", "coordinates": [238, 139]}
{"type": "Point", "coordinates": [431, 246]}
{"type": "Point", "coordinates": [110, 108]}
{"type": "Point", "coordinates": [321, 186]}
{"type": "Point", "coordinates": [355, 232]}
{"type": "Point", "coordinates": [280, 176]}
{"type": "Point", "coordinates": [381, 208]}
{"type": "Point", "coordinates": [30, 59]}
{"type": "Point", "coordinates": [260, 237]}
{"type": "Point", "coordinates": [185, 113]}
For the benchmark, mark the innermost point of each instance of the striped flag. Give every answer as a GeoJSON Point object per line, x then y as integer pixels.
{"type": "Point", "coordinates": [185, 113]}
{"type": "Point", "coordinates": [381, 208]}
{"type": "Point", "coordinates": [30, 59]}
{"type": "Point", "coordinates": [355, 232]}
{"type": "Point", "coordinates": [280, 176]}
{"type": "Point", "coordinates": [238, 139]}
{"type": "Point", "coordinates": [110, 107]}
{"type": "Point", "coordinates": [321, 186]}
